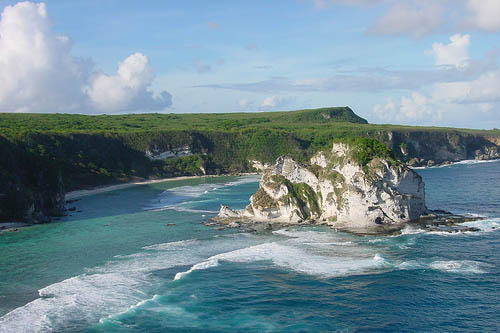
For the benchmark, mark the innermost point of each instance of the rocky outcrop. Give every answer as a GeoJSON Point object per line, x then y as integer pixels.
{"type": "Point", "coordinates": [335, 188]}
{"type": "Point", "coordinates": [259, 166]}
{"type": "Point", "coordinates": [156, 154]}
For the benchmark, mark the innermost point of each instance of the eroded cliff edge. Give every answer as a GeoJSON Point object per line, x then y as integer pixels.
{"type": "Point", "coordinates": [356, 184]}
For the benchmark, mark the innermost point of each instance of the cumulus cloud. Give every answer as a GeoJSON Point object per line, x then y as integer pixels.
{"type": "Point", "coordinates": [127, 89]}
{"type": "Point", "coordinates": [456, 53]}
{"type": "Point", "coordinates": [36, 69]}
{"type": "Point", "coordinates": [39, 74]}
{"type": "Point", "coordinates": [472, 99]}
{"type": "Point", "coordinates": [415, 107]}
{"type": "Point", "coordinates": [448, 104]}
{"type": "Point", "coordinates": [481, 90]}
{"type": "Point", "coordinates": [416, 18]}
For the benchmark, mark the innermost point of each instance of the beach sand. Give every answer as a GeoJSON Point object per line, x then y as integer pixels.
{"type": "Point", "coordinates": [83, 193]}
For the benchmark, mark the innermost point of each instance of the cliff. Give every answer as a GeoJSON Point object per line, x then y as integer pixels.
{"type": "Point", "coordinates": [428, 148]}
{"type": "Point", "coordinates": [42, 155]}
{"type": "Point", "coordinates": [355, 184]}
{"type": "Point", "coordinates": [31, 186]}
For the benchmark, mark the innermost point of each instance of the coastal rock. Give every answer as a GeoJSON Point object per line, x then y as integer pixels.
{"type": "Point", "coordinates": [156, 154]}
{"type": "Point", "coordinates": [259, 166]}
{"type": "Point", "coordinates": [335, 188]}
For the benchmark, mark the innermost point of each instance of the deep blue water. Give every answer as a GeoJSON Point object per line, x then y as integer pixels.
{"type": "Point", "coordinates": [141, 260]}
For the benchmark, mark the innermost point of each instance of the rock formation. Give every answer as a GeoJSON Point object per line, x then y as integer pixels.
{"type": "Point", "coordinates": [338, 188]}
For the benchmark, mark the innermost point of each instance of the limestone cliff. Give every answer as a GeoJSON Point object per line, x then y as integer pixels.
{"type": "Point", "coordinates": [338, 188]}
{"type": "Point", "coordinates": [427, 148]}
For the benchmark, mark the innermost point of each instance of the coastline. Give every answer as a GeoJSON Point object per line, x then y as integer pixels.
{"type": "Point", "coordinates": [102, 189]}
{"type": "Point", "coordinates": [107, 188]}
{"type": "Point", "coordinates": [12, 226]}
{"type": "Point", "coordinates": [455, 163]}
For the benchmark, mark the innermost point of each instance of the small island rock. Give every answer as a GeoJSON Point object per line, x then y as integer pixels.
{"type": "Point", "coordinates": [352, 185]}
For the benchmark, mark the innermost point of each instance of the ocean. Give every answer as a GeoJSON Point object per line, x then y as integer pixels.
{"type": "Point", "coordinates": [142, 259]}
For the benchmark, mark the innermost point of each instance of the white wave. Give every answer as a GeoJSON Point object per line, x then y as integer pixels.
{"type": "Point", "coordinates": [314, 237]}
{"type": "Point", "coordinates": [450, 266]}
{"type": "Point", "coordinates": [458, 266]}
{"type": "Point", "coordinates": [467, 162]}
{"type": "Point", "coordinates": [171, 245]}
{"type": "Point", "coordinates": [305, 262]}
{"type": "Point", "coordinates": [85, 298]}
{"type": "Point", "coordinates": [244, 180]}
{"type": "Point", "coordinates": [191, 191]}
{"type": "Point", "coordinates": [171, 198]}
{"type": "Point", "coordinates": [202, 265]}
{"type": "Point", "coordinates": [476, 161]}
{"type": "Point", "coordinates": [486, 225]}
{"type": "Point", "coordinates": [412, 264]}
{"type": "Point", "coordinates": [411, 230]}
{"type": "Point", "coordinates": [348, 243]}
{"type": "Point", "coordinates": [180, 208]}
{"type": "Point", "coordinates": [111, 288]}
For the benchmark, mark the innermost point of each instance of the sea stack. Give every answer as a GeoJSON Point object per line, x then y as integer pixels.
{"type": "Point", "coordinates": [356, 184]}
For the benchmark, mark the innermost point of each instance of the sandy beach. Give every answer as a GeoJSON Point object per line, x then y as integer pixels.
{"type": "Point", "coordinates": [83, 193]}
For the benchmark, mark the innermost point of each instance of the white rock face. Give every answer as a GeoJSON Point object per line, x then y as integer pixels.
{"type": "Point", "coordinates": [155, 154]}
{"type": "Point", "coordinates": [259, 166]}
{"type": "Point", "coordinates": [336, 190]}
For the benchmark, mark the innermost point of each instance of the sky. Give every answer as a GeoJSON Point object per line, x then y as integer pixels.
{"type": "Point", "coordinates": [416, 62]}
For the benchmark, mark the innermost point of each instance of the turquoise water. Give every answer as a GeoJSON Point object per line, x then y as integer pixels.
{"type": "Point", "coordinates": [141, 260]}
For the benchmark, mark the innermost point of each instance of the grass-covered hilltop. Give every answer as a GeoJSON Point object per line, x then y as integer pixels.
{"type": "Point", "coordinates": [45, 155]}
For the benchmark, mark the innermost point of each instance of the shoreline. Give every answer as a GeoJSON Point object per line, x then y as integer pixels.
{"type": "Point", "coordinates": [455, 163]}
{"type": "Point", "coordinates": [108, 188]}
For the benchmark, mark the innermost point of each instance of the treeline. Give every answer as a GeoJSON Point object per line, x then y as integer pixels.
{"type": "Point", "coordinates": [42, 156]}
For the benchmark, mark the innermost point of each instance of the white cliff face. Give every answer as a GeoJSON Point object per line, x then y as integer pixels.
{"type": "Point", "coordinates": [259, 166]}
{"type": "Point", "coordinates": [336, 190]}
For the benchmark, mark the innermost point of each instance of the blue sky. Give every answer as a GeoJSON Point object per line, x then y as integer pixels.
{"type": "Point", "coordinates": [419, 62]}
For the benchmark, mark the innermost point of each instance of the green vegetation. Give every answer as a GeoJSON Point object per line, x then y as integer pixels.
{"type": "Point", "coordinates": [301, 194]}
{"type": "Point", "coordinates": [44, 155]}
{"type": "Point", "coordinates": [263, 200]}
{"type": "Point", "coordinates": [364, 150]}
{"type": "Point", "coordinates": [16, 123]}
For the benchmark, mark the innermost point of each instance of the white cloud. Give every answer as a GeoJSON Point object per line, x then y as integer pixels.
{"type": "Point", "coordinates": [456, 53]}
{"type": "Point", "coordinates": [269, 102]}
{"type": "Point", "coordinates": [415, 107]}
{"type": "Point", "coordinates": [456, 103]}
{"type": "Point", "coordinates": [38, 73]}
{"type": "Point", "coordinates": [484, 14]}
{"type": "Point", "coordinates": [417, 18]}
{"type": "Point", "coordinates": [484, 89]}
{"type": "Point", "coordinates": [273, 102]}
{"type": "Point", "coordinates": [36, 70]}
{"type": "Point", "coordinates": [474, 100]}
{"type": "Point", "coordinates": [127, 90]}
